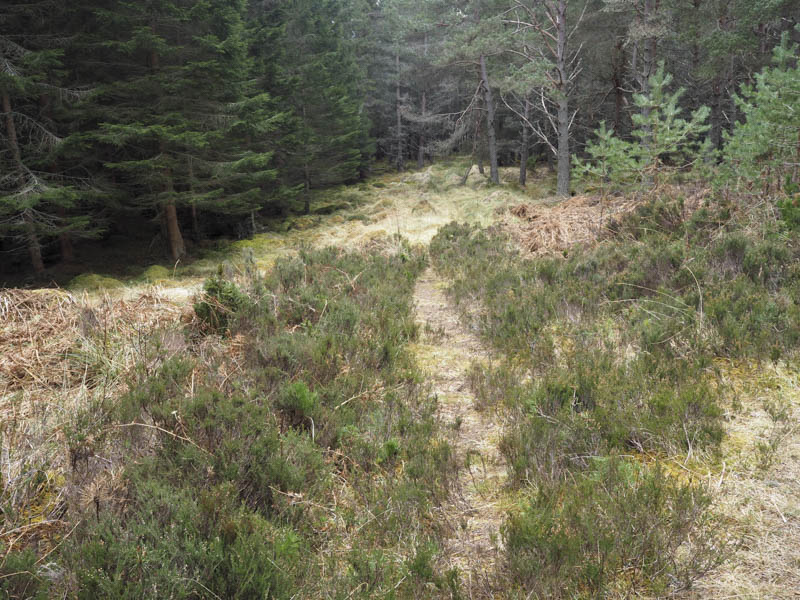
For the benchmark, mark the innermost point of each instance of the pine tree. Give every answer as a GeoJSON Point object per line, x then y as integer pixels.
{"type": "Point", "coordinates": [474, 40]}
{"type": "Point", "coordinates": [611, 160]}
{"type": "Point", "coordinates": [549, 71]}
{"type": "Point", "coordinates": [38, 201]}
{"type": "Point", "coordinates": [665, 139]}
{"type": "Point", "coordinates": [765, 147]}
{"type": "Point", "coordinates": [180, 120]}
{"type": "Point", "coordinates": [672, 142]}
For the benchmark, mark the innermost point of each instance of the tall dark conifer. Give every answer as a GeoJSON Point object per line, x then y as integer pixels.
{"type": "Point", "coordinates": [319, 79]}
{"type": "Point", "coordinates": [180, 117]}
{"type": "Point", "coordinates": [39, 202]}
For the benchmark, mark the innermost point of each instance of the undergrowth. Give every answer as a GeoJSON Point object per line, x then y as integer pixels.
{"type": "Point", "coordinates": [609, 383]}
{"type": "Point", "coordinates": [295, 456]}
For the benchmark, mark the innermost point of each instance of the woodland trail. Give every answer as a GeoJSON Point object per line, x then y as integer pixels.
{"type": "Point", "coordinates": [473, 511]}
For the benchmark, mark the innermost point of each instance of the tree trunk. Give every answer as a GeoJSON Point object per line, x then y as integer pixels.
{"type": "Point", "coordinates": [306, 187]}
{"type": "Point", "coordinates": [617, 78]}
{"type": "Point", "coordinates": [490, 132]}
{"type": "Point", "coordinates": [563, 102]}
{"type": "Point", "coordinates": [176, 246]}
{"type": "Point", "coordinates": [563, 148]}
{"type": "Point", "coordinates": [67, 251]}
{"type": "Point", "coordinates": [196, 234]}
{"type": "Point", "coordinates": [423, 126]}
{"type": "Point", "coordinates": [169, 211]}
{"type": "Point", "coordinates": [65, 241]}
{"type": "Point", "coordinates": [34, 247]}
{"type": "Point", "coordinates": [648, 52]}
{"type": "Point", "coordinates": [174, 237]}
{"type": "Point", "coordinates": [524, 150]}
{"type": "Point", "coordinates": [399, 160]}
{"type": "Point", "coordinates": [13, 144]}
{"type": "Point", "coordinates": [716, 113]}
{"type": "Point", "coordinates": [421, 143]}
{"type": "Point", "coordinates": [466, 174]}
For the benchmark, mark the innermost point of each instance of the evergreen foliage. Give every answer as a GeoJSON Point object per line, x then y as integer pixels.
{"type": "Point", "coordinates": [320, 80]}
{"type": "Point", "coordinates": [198, 116]}
{"type": "Point", "coordinates": [763, 150]}
{"type": "Point", "coordinates": [665, 141]}
{"type": "Point", "coordinates": [39, 200]}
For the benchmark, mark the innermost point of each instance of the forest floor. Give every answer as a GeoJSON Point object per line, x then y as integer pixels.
{"type": "Point", "coordinates": [756, 486]}
{"type": "Point", "coordinates": [47, 364]}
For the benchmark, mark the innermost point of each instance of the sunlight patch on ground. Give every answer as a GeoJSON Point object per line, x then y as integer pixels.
{"type": "Point", "coordinates": [757, 485]}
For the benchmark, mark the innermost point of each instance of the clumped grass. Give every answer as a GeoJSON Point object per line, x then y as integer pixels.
{"type": "Point", "coordinates": [609, 356]}
{"type": "Point", "coordinates": [291, 450]}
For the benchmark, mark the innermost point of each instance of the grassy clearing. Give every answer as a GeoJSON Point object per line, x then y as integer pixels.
{"type": "Point", "coordinates": [413, 205]}
{"type": "Point", "coordinates": [757, 482]}
{"type": "Point", "coordinates": [612, 387]}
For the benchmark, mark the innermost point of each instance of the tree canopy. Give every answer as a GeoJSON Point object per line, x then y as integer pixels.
{"type": "Point", "coordinates": [193, 117]}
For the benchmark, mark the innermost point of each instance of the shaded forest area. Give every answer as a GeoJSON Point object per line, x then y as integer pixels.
{"type": "Point", "coordinates": [169, 122]}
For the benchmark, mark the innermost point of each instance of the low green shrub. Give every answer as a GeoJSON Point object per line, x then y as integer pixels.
{"type": "Point", "coordinates": [675, 284]}
{"type": "Point", "coordinates": [252, 474]}
{"type": "Point", "coordinates": [176, 541]}
{"type": "Point", "coordinates": [298, 402]}
{"type": "Point", "coordinates": [621, 526]}
{"type": "Point", "coordinates": [607, 352]}
{"type": "Point", "coordinates": [21, 576]}
{"type": "Point", "coordinates": [592, 407]}
{"type": "Point", "coordinates": [221, 300]}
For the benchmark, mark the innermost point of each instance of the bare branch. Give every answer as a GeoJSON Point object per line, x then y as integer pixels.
{"type": "Point", "coordinates": [537, 130]}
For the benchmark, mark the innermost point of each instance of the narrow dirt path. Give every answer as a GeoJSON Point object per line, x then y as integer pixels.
{"type": "Point", "coordinates": [446, 351]}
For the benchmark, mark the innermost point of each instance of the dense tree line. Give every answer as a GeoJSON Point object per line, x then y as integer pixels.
{"type": "Point", "coordinates": [190, 113]}
{"type": "Point", "coordinates": [199, 114]}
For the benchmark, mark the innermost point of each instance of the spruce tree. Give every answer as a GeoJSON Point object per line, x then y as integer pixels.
{"type": "Point", "coordinates": [320, 79]}
{"type": "Point", "coordinates": [181, 117]}
{"type": "Point", "coordinates": [39, 202]}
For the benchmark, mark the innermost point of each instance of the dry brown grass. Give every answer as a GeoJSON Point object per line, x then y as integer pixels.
{"type": "Point", "coordinates": [59, 353]}
{"type": "Point", "coordinates": [546, 228]}
{"type": "Point", "coordinates": [760, 503]}
{"type": "Point", "coordinates": [555, 225]}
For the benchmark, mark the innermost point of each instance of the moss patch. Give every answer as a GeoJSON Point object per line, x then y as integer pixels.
{"type": "Point", "coordinates": [328, 208]}
{"type": "Point", "coordinates": [92, 281]}
{"type": "Point", "coordinates": [259, 243]}
{"type": "Point", "coordinates": [155, 274]}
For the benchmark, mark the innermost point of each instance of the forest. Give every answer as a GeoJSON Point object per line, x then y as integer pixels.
{"type": "Point", "coordinates": [355, 299]}
{"type": "Point", "coordinates": [166, 123]}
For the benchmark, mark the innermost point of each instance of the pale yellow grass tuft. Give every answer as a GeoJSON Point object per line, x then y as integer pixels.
{"type": "Point", "coordinates": [760, 505]}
